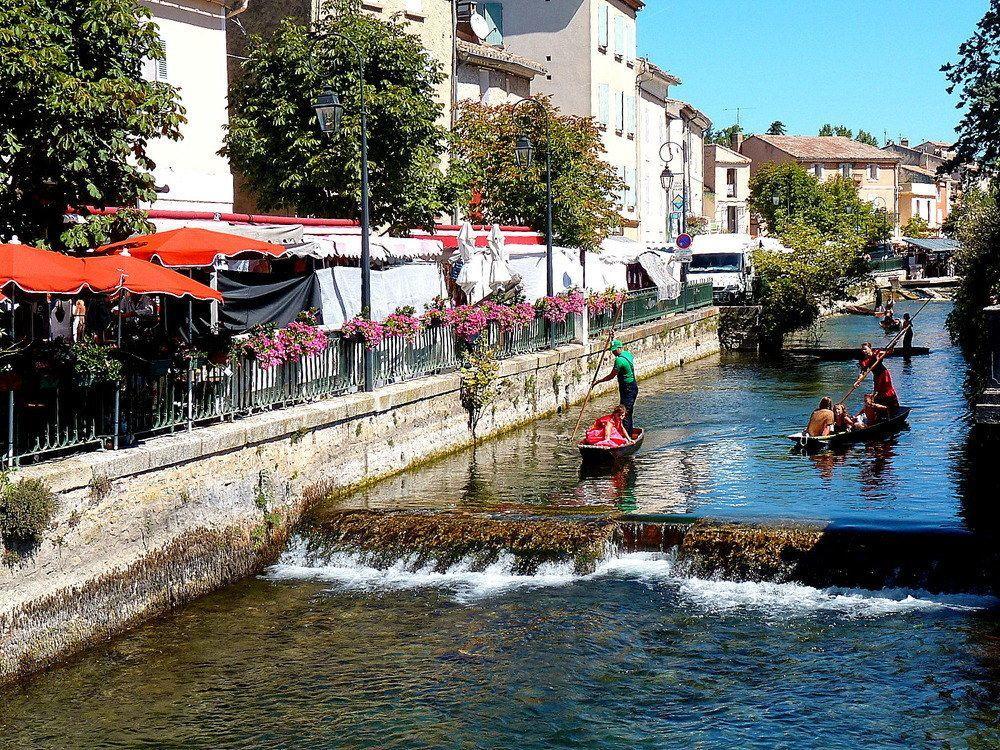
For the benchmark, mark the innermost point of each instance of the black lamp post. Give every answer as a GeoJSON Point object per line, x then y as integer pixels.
{"type": "Point", "coordinates": [672, 149]}
{"type": "Point", "coordinates": [329, 112]}
{"type": "Point", "coordinates": [524, 154]}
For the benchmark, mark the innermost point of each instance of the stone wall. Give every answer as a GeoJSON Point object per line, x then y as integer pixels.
{"type": "Point", "coordinates": [141, 530]}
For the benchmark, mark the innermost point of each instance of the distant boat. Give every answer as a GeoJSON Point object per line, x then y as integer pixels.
{"type": "Point", "coordinates": [835, 354]}
{"type": "Point", "coordinates": [597, 454]}
{"type": "Point", "coordinates": [812, 442]}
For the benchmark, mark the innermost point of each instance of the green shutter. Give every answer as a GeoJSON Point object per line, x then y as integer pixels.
{"type": "Point", "coordinates": [493, 12]}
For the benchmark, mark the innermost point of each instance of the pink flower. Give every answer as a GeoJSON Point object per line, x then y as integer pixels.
{"type": "Point", "coordinates": [361, 329]}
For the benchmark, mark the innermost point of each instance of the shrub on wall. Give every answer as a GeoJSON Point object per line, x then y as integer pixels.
{"type": "Point", "coordinates": [26, 508]}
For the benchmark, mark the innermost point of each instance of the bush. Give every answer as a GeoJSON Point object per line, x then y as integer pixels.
{"type": "Point", "coordinates": [26, 508]}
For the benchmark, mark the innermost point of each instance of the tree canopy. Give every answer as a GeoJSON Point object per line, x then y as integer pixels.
{"type": "Point", "coordinates": [274, 140]}
{"type": "Point", "coordinates": [975, 77]}
{"type": "Point", "coordinates": [77, 114]}
{"type": "Point", "coordinates": [842, 130]}
{"type": "Point", "coordinates": [722, 137]}
{"type": "Point", "coordinates": [776, 128]}
{"type": "Point", "coordinates": [486, 179]}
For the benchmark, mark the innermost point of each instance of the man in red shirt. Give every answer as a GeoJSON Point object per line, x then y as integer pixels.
{"type": "Point", "coordinates": [885, 394]}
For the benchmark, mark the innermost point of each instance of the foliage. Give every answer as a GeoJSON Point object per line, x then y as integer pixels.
{"type": "Point", "coordinates": [777, 128]}
{"type": "Point", "coordinates": [974, 76]}
{"type": "Point", "coordinates": [359, 328]}
{"type": "Point", "coordinates": [864, 136]}
{"type": "Point", "coordinates": [696, 224]}
{"type": "Point", "coordinates": [435, 312]}
{"type": "Point", "coordinates": [26, 509]}
{"type": "Point", "coordinates": [272, 346]}
{"type": "Point", "coordinates": [557, 308]}
{"type": "Point", "coordinates": [94, 362]}
{"type": "Point", "coordinates": [94, 231]}
{"type": "Point", "coordinates": [485, 176]}
{"type": "Point", "coordinates": [977, 262]}
{"type": "Point", "coordinates": [830, 130]}
{"type": "Point", "coordinates": [783, 193]}
{"type": "Point", "coordinates": [722, 137]}
{"type": "Point", "coordinates": [272, 120]}
{"type": "Point", "coordinates": [479, 379]}
{"type": "Point", "coordinates": [607, 301]}
{"type": "Point", "coordinates": [916, 227]}
{"type": "Point", "coordinates": [791, 288]}
{"type": "Point", "coordinates": [77, 115]}
{"type": "Point", "coordinates": [404, 323]}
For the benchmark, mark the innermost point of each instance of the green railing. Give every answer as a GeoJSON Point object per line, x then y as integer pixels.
{"type": "Point", "coordinates": [643, 305]}
{"type": "Point", "coordinates": [887, 265]}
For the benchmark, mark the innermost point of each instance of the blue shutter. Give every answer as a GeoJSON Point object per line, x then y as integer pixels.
{"type": "Point", "coordinates": [602, 26]}
{"type": "Point", "coordinates": [604, 104]}
{"type": "Point", "coordinates": [493, 13]}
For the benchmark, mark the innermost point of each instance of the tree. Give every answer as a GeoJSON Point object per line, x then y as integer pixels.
{"type": "Point", "coordinates": [864, 136]}
{"type": "Point", "coordinates": [975, 77]}
{"type": "Point", "coordinates": [273, 138]}
{"type": "Point", "coordinates": [484, 175]}
{"type": "Point", "coordinates": [722, 137]}
{"type": "Point", "coordinates": [830, 130]}
{"type": "Point", "coordinates": [777, 128]}
{"type": "Point", "coordinates": [916, 227]}
{"type": "Point", "coordinates": [77, 114]}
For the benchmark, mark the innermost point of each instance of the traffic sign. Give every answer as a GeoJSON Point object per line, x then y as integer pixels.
{"type": "Point", "coordinates": [678, 202]}
{"type": "Point", "coordinates": [684, 241]}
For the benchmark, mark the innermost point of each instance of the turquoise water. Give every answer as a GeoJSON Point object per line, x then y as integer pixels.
{"type": "Point", "coordinates": [327, 652]}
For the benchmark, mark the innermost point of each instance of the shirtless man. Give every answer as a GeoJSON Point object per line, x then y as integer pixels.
{"type": "Point", "coordinates": [821, 421]}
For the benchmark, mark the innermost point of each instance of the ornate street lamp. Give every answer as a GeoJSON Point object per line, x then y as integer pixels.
{"type": "Point", "coordinates": [668, 152]}
{"type": "Point", "coordinates": [524, 156]}
{"type": "Point", "coordinates": [329, 112]}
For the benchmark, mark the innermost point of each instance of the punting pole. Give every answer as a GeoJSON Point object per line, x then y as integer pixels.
{"type": "Point", "coordinates": [881, 356]}
{"type": "Point", "coordinates": [597, 370]}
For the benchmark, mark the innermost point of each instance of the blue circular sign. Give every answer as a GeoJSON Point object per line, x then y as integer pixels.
{"type": "Point", "coordinates": [684, 241]}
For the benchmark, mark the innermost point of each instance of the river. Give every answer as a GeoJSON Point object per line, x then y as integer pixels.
{"type": "Point", "coordinates": [636, 654]}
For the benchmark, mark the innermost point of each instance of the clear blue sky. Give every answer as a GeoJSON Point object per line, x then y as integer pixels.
{"type": "Point", "coordinates": [871, 64]}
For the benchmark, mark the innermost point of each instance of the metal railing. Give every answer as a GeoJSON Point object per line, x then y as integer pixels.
{"type": "Point", "coordinates": [887, 265]}
{"type": "Point", "coordinates": [643, 306]}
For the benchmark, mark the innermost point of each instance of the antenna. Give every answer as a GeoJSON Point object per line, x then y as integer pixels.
{"type": "Point", "coordinates": [738, 111]}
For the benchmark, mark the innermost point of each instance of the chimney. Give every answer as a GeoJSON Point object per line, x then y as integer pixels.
{"type": "Point", "coordinates": [736, 141]}
{"type": "Point", "coordinates": [904, 142]}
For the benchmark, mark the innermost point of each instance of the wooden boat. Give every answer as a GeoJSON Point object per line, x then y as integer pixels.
{"type": "Point", "coordinates": [835, 354]}
{"type": "Point", "coordinates": [809, 442]}
{"type": "Point", "coordinates": [596, 454]}
{"type": "Point", "coordinates": [859, 310]}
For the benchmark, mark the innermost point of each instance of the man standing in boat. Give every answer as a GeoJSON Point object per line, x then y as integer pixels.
{"type": "Point", "coordinates": [628, 387]}
{"type": "Point", "coordinates": [872, 359]}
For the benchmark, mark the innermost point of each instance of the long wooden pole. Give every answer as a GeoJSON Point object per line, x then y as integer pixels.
{"type": "Point", "coordinates": [881, 356]}
{"type": "Point", "coordinates": [597, 371]}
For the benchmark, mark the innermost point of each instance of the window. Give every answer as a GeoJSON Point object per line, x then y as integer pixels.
{"type": "Point", "coordinates": [873, 171]}
{"type": "Point", "coordinates": [602, 27]}
{"type": "Point", "coordinates": [629, 176]}
{"type": "Point", "coordinates": [732, 219]}
{"type": "Point", "coordinates": [630, 115]}
{"type": "Point", "coordinates": [845, 170]}
{"type": "Point", "coordinates": [818, 170]}
{"type": "Point", "coordinates": [604, 104]}
{"type": "Point", "coordinates": [730, 183]}
{"type": "Point", "coordinates": [493, 13]}
{"type": "Point", "coordinates": [619, 112]}
{"type": "Point", "coordinates": [619, 36]}
{"type": "Point", "coordinates": [155, 69]}
{"type": "Point", "coordinates": [630, 44]}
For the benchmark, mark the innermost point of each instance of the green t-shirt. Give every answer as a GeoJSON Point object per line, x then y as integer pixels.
{"type": "Point", "coordinates": [625, 364]}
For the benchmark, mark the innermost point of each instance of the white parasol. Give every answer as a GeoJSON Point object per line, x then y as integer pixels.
{"type": "Point", "coordinates": [473, 276]}
{"type": "Point", "coordinates": [500, 273]}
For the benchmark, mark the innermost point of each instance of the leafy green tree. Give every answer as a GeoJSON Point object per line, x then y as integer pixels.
{"type": "Point", "coordinates": [777, 128]}
{"type": "Point", "coordinates": [274, 140]}
{"type": "Point", "coordinates": [722, 137]}
{"type": "Point", "coordinates": [77, 114]}
{"type": "Point", "coordinates": [975, 77]}
{"type": "Point", "coordinates": [830, 130]}
{"type": "Point", "coordinates": [916, 227]}
{"type": "Point", "coordinates": [485, 177]}
{"type": "Point", "coordinates": [864, 136]}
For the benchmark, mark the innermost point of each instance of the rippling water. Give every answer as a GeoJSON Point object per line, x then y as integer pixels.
{"type": "Point", "coordinates": [715, 445]}
{"type": "Point", "coordinates": [328, 652]}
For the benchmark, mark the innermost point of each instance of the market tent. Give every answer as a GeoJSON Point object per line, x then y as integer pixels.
{"type": "Point", "coordinates": [40, 271]}
{"type": "Point", "coordinates": [190, 247]}
{"type": "Point", "coordinates": [114, 272]}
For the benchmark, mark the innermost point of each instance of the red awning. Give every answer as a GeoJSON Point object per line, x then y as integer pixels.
{"type": "Point", "coordinates": [191, 247]}
{"type": "Point", "coordinates": [113, 272]}
{"type": "Point", "coordinates": [40, 271]}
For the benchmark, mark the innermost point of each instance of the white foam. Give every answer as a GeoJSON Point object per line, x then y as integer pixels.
{"type": "Point", "coordinates": [349, 572]}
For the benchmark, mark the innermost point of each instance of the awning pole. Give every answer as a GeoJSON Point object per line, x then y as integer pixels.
{"type": "Point", "coordinates": [213, 282]}
{"type": "Point", "coordinates": [118, 383]}
{"type": "Point", "coordinates": [10, 397]}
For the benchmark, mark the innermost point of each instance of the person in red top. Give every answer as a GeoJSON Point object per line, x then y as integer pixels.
{"type": "Point", "coordinates": [608, 431]}
{"type": "Point", "coordinates": [884, 394]}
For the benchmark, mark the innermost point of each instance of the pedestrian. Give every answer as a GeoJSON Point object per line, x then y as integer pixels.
{"type": "Point", "coordinates": [628, 386]}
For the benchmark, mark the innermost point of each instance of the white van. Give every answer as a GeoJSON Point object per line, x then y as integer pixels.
{"type": "Point", "coordinates": [726, 261]}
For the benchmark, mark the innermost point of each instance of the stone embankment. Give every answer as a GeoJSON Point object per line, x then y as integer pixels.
{"type": "Point", "coordinates": [142, 530]}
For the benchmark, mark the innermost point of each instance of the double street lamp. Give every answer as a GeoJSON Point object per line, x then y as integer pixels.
{"type": "Point", "coordinates": [524, 154]}
{"type": "Point", "coordinates": [330, 113]}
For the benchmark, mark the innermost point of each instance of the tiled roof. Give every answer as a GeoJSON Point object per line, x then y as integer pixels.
{"type": "Point", "coordinates": [485, 53]}
{"type": "Point", "coordinates": [826, 148]}
{"type": "Point", "coordinates": [725, 155]}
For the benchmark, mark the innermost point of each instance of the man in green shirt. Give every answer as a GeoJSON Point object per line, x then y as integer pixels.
{"type": "Point", "coordinates": [628, 387]}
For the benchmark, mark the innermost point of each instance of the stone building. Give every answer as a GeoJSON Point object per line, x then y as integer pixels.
{"type": "Point", "coordinates": [727, 189]}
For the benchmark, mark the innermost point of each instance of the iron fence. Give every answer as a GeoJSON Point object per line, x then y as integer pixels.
{"type": "Point", "coordinates": [887, 265]}
{"type": "Point", "coordinates": [644, 305]}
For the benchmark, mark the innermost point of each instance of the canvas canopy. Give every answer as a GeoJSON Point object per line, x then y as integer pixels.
{"type": "Point", "coordinates": [191, 247]}
{"type": "Point", "coordinates": [113, 272]}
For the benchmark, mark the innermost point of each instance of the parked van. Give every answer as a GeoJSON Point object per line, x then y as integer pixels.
{"type": "Point", "coordinates": [727, 261]}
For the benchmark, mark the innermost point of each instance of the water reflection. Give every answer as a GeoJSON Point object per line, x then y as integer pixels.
{"type": "Point", "coordinates": [715, 445]}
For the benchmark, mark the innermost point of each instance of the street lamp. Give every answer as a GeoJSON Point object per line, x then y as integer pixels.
{"type": "Point", "coordinates": [668, 152]}
{"type": "Point", "coordinates": [329, 112]}
{"type": "Point", "coordinates": [524, 156]}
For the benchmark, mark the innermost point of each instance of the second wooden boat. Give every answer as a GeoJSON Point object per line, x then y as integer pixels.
{"type": "Point", "coordinates": [811, 442]}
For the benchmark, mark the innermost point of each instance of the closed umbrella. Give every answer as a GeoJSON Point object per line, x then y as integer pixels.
{"type": "Point", "coordinates": [499, 258]}
{"type": "Point", "coordinates": [473, 276]}
{"type": "Point", "coordinates": [191, 247]}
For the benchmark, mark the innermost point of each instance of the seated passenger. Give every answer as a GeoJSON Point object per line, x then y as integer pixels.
{"type": "Point", "coordinates": [821, 420]}
{"type": "Point", "coordinates": [842, 421]}
{"type": "Point", "coordinates": [608, 431]}
{"type": "Point", "coordinates": [872, 413]}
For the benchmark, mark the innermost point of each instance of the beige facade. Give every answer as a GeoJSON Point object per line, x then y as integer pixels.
{"type": "Point", "coordinates": [727, 181]}
{"type": "Point", "coordinates": [686, 128]}
{"type": "Point", "coordinates": [189, 173]}
{"type": "Point", "coordinates": [589, 50]}
{"type": "Point", "coordinates": [492, 75]}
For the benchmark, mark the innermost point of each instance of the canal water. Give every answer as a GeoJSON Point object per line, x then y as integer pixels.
{"type": "Point", "coordinates": [330, 652]}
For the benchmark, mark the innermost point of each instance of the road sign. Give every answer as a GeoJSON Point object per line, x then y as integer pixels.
{"type": "Point", "coordinates": [678, 202]}
{"type": "Point", "coordinates": [684, 241]}
{"type": "Point", "coordinates": [683, 256]}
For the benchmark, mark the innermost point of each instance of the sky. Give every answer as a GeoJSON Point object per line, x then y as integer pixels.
{"type": "Point", "coordinates": [867, 64]}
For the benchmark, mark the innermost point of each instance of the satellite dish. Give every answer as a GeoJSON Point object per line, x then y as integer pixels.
{"type": "Point", "coordinates": [480, 27]}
